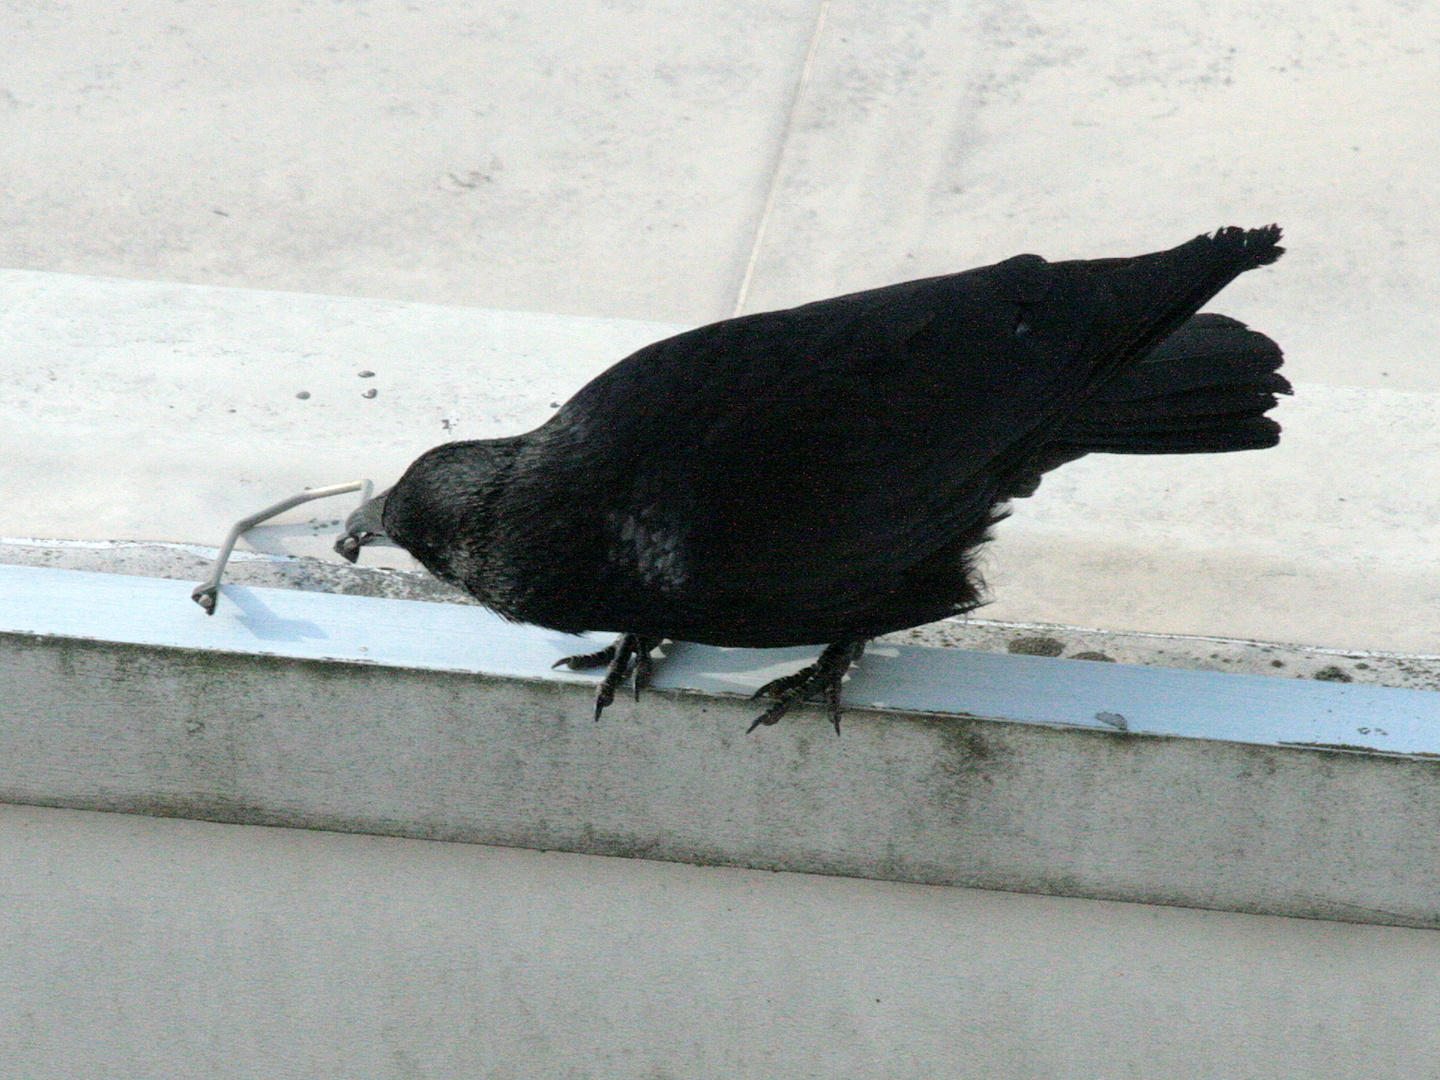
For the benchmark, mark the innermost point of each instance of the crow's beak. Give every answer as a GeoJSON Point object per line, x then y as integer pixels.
{"type": "Point", "coordinates": [362, 527]}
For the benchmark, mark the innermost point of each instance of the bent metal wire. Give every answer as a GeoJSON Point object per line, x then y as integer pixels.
{"type": "Point", "coordinates": [205, 594]}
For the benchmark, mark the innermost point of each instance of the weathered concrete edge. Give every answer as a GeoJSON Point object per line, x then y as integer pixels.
{"type": "Point", "coordinates": [894, 676]}
{"type": "Point", "coordinates": [943, 800]}
{"type": "Point", "coordinates": [191, 562]}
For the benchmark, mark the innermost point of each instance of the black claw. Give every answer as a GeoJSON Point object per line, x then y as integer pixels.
{"type": "Point", "coordinates": [832, 702]}
{"type": "Point", "coordinates": [644, 667]}
{"type": "Point", "coordinates": [603, 697]}
{"type": "Point", "coordinates": [622, 652]}
{"type": "Point", "coordinates": [763, 718]}
{"type": "Point", "coordinates": [586, 660]}
{"type": "Point", "coordinates": [629, 655]}
{"type": "Point", "coordinates": [822, 677]}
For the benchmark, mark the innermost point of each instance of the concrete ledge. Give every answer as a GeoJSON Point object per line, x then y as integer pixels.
{"type": "Point", "coordinates": [192, 562]}
{"type": "Point", "coordinates": [1005, 772]}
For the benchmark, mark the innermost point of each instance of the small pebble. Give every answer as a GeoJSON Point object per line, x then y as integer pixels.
{"type": "Point", "coordinates": [367, 374]}
{"type": "Point", "coordinates": [369, 393]}
{"type": "Point", "coordinates": [303, 395]}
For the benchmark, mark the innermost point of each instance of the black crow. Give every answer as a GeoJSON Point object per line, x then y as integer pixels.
{"type": "Point", "coordinates": [825, 474]}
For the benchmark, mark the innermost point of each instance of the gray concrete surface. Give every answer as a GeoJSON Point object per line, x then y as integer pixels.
{"type": "Point", "coordinates": [1020, 773]}
{"type": "Point", "coordinates": [943, 135]}
{"type": "Point", "coordinates": [176, 950]}
{"type": "Point", "coordinates": [632, 159]}
{"type": "Point", "coordinates": [552, 157]}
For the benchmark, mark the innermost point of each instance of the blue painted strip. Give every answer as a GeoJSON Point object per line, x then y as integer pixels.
{"type": "Point", "coordinates": [445, 637]}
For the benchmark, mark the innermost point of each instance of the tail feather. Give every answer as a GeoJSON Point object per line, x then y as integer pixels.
{"type": "Point", "coordinates": [1178, 408]}
{"type": "Point", "coordinates": [1206, 351]}
{"type": "Point", "coordinates": [1204, 389]}
{"type": "Point", "coordinates": [1160, 293]}
{"type": "Point", "coordinates": [1227, 434]}
{"type": "Point", "coordinates": [1188, 383]}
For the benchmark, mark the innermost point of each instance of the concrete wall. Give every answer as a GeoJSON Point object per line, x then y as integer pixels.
{"type": "Point", "coordinates": [442, 722]}
{"type": "Point", "coordinates": [139, 946]}
{"type": "Point", "coordinates": [178, 950]}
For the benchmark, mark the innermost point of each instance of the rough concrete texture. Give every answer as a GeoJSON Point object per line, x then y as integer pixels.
{"type": "Point", "coordinates": [518, 155]}
{"type": "Point", "coordinates": [170, 950]}
{"type": "Point", "coordinates": [938, 799]}
{"type": "Point", "coordinates": [632, 159]}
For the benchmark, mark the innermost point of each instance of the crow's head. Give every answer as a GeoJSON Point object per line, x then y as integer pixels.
{"type": "Point", "coordinates": [364, 526]}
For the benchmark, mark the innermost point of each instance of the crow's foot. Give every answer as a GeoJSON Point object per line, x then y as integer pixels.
{"type": "Point", "coordinates": [586, 661]}
{"type": "Point", "coordinates": [629, 655]}
{"type": "Point", "coordinates": [820, 678]}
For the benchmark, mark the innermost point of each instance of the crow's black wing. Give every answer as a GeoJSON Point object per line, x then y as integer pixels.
{"type": "Point", "coordinates": [805, 461]}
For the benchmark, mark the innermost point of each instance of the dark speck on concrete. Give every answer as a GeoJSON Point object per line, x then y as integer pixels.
{"type": "Point", "coordinates": [1333, 674]}
{"type": "Point", "coordinates": [1036, 646]}
{"type": "Point", "coordinates": [1093, 656]}
{"type": "Point", "coordinates": [369, 393]}
{"type": "Point", "coordinates": [303, 395]}
{"type": "Point", "coordinates": [367, 374]}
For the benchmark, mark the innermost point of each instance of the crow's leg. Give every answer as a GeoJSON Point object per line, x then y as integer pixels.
{"type": "Point", "coordinates": [630, 654]}
{"type": "Point", "coordinates": [822, 677]}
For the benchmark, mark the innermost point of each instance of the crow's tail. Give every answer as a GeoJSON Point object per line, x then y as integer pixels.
{"type": "Point", "coordinates": [1204, 389]}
